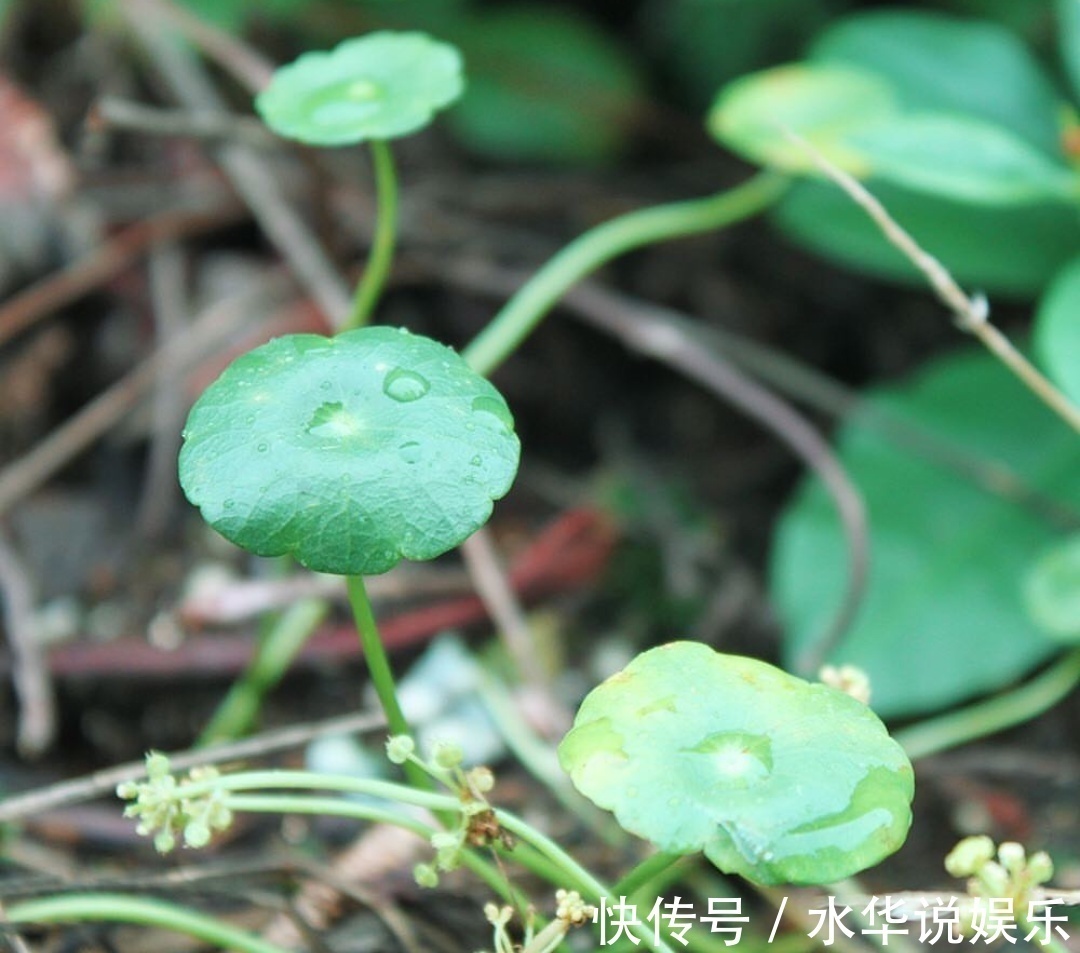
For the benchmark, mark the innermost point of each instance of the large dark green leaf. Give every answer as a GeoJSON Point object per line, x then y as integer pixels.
{"type": "Point", "coordinates": [944, 618]}
{"type": "Point", "coordinates": [773, 778]}
{"type": "Point", "coordinates": [1014, 250]}
{"type": "Point", "coordinates": [951, 64]}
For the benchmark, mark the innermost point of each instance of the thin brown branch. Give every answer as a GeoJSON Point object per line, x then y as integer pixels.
{"type": "Point", "coordinates": [103, 783]}
{"type": "Point", "coordinates": [108, 260]}
{"type": "Point", "coordinates": [971, 313]}
{"type": "Point", "coordinates": [73, 436]}
{"type": "Point", "coordinates": [253, 180]}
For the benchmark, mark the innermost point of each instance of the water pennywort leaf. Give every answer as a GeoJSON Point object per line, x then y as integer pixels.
{"type": "Point", "coordinates": [774, 778]}
{"type": "Point", "coordinates": [380, 86]}
{"type": "Point", "coordinates": [349, 453]}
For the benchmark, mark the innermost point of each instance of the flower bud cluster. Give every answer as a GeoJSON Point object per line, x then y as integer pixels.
{"type": "Point", "coordinates": [167, 809]}
{"type": "Point", "coordinates": [1012, 874]}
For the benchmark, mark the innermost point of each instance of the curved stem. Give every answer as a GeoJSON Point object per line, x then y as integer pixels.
{"type": "Point", "coordinates": [605, 242]}
{"type": "Point", "coordinates": [995, 714]}
{"type": "Point", "coordinates": [145, 911]}
{"type": "Point", "coordinates": [381, 256]}
{"type": "Point", "coordinates": [382, 677]}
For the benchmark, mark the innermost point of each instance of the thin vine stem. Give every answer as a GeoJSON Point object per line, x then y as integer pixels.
{"type": "Point", "coordinates": [144, 911]}
{"type": "Point", "coordinates": [607, 241]}
{"type": "Point", "coordinates": [995, 714]}
{"type": "Point", "coordinates": [381, 256]}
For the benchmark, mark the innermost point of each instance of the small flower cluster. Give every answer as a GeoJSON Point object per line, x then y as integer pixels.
{"type": "Point", "coordinates": [167, 808]}
{"type": "Point", "coordinates": [1013, 874]}
{"type": "Point", "coordinates": [570, 911]}
{"type": "Point", "coordinates": [479, 825]}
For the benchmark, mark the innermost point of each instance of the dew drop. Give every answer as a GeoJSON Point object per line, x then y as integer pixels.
{"type": "Point", "coordinates": [326, 385]}
{"type": "Point", "coordinates": [493, 407]}
{"type": "Point", "coordinates": [476, 461]}
{"type": "Point", "coordinates": [263, 447]}
{"type": "Point", "coordinates": [410, 451]}
{"type": "Point", "coordinates": [405, 386]}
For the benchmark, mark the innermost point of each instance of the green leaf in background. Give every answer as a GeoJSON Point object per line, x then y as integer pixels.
{"type": "Point", "coordinates": [706, 43]}
{"type": "Point", "coordinates": [950, 64]}
{"type": "Point", "coordinates": [231, 15]}
{"type": "Point", "coordinates": [1068, 33]}
{"type": "Point", "coordinates": [1012, 250]}
{"type": "Point", "coordinates": [349, 453]}
{"type": "Point", "coordinates": [774, 778]}
{"type": "Point", "coordinates": [1057, 330]}
{"type": "Point", "coordinates": [943, 619]}
{"type": "Point", "coordinates": [1052, 590]}
{"type": "Point", "coordinates": [821, 104]}
{"type": "Point", "coordinates": [960, 158]}
{"type": "Point", "coordinates": [380, 86]}
{"type": "Point", "coordinates": [544, 85]}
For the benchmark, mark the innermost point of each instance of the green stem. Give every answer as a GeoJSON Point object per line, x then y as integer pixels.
{"type": "Point", "coordinates": [379, 668]}
{"type": "Point", "coordinates": [277, 649]}
{"type": "Point", "coordinates": [339, 807]}
{"type": "Point", "coordinates": [607, 241]}
{"type": "Point", "coordinates": [120, 908]}
{"type": "Point", "coordinates": [381, 256]}
{"type": "Point", "coordinates": [995, 714]}
{"type": "Point", "coordinates": [312, 781]}
{"type": "Point", "coordinates": [644, 873]}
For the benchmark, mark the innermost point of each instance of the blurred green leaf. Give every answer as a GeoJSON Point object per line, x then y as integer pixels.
{"type": "Point", "coordinates": [821, 104]}
{"type": "Point", "coordinates": [706, 43]}
{"type": "Point", "coordinates": [774, 778]}
{"type": "Point", "coordinates": [950, 64]}
{"type": "Point", "coordinates": [379, 86]}
{"type": "Point", "coordinates": [1057, 330]}
{"type": "Point", "coordinates": [1011, 250]}
{"type": "Point", "coordinates": [1052, 590]}
{"type": "Point", "coordinates": [544, 85]}
{"type": "Point", "coordinates": [960, 158]}
{"type": "Point", "coordinates": [1068, 33]}
{"type": "Point", "coordinates": [943, 619]}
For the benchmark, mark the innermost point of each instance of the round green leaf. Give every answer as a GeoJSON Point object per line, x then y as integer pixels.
{"type": "Point", "coordinates": [380, 86]}
{"type": "Point", "coordinates": [772, 777]}
{"type": "Point", "coordinates": [822, 104]}
{"type": "Point", "coordinates": [942, 619]}
{"type": "Point", "coordinates": [1057, 330]}
{"type": "Point", "coordinates": [350, 452]}
{"type": "Point", "coordinates": [1052, 590]}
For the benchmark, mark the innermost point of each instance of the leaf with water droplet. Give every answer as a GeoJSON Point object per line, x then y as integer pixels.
{"type": "Point", "coordinates": [776, 779]}
{"type": "Point", "coordinates": [380, 86]}
{"type": "Point", "coordinates": [346, 467]}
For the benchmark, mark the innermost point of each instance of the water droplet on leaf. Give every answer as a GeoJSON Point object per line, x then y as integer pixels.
{"type": "Point", "coordinates": [410, 451]}
{"type": "Point", "coordinates": [405, 386]}
{"type": "Point", "coordinates": [494, 408]}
